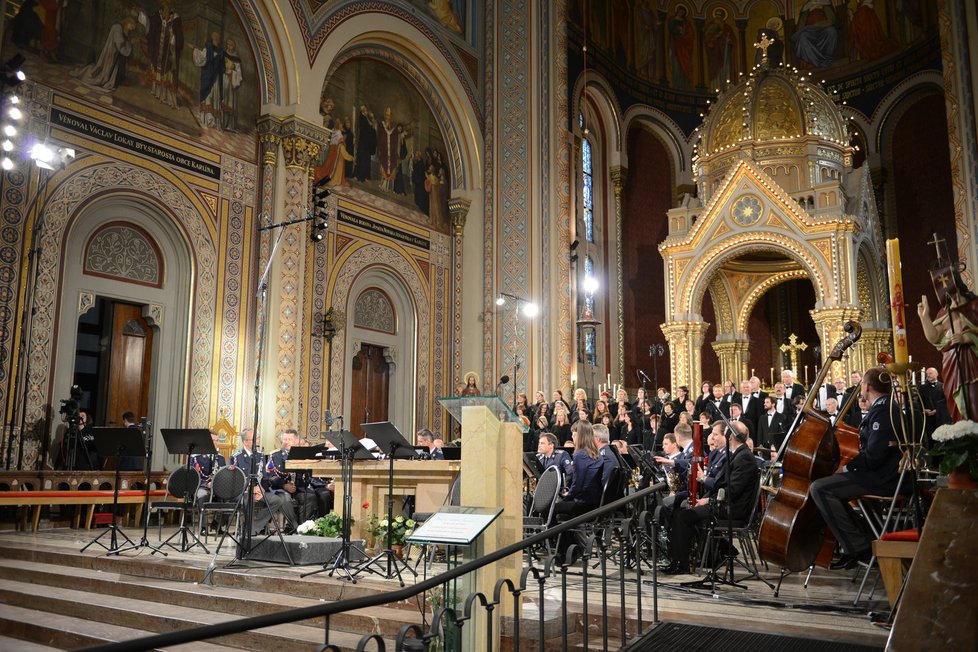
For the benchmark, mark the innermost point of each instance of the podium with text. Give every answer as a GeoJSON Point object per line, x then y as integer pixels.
{"type": "Point", "coordinates": [492, 478]}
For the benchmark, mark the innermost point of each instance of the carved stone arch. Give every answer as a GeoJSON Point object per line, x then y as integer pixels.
{"type": "Point", "coordinates": [394, 263]}
{"type": "Point", "coordinates": [601, 96]}
{"type": "Point", "coordinates": [712, 259]}
{"type": "Point", "coordinates": [463, 158]}
{"type": "Point", "coordinates": [722, 307]}
{"type": "Point", "coordinates": [666, 130]}
{"type": "Point", "coordinates": [74, 190]}
{"type": "Point", "coordinates": [871, 285]}
{"type": "Point", "coordinates": [759, 290]}
{"type": "Point", "coordinates": [918, 84]}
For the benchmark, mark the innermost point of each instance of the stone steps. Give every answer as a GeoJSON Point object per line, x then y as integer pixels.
{"type": "Point", "coordinates": [24, 631]}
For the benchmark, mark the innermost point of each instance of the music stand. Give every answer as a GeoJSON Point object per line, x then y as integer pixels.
{"type": "Point", "coordinates": [192, 441]}
{"type": "Point", "coordinates": [390, 440]}
{"type": "Point", "coordinates": [349, 448]}
{"type": "Point", "coordinates": [116, 442]}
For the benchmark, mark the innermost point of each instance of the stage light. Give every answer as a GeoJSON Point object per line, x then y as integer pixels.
{"type": "Point", "coordinates": [318, 231]}
{"type": "Point", "coordinates": [6, 163]}
{"type": "Point", "coordinates": [500, 301]}
{"type": "Point", "coordinates": [15, 113]}
{"type": "Point", "coordinates": [7, 146]}
{"type": "Point", "coordinates": [530, 310]}
{"type": "Point", "coordinates": [9, 131]}
{"type": "Point", "coordinates": [42, 156]}
{"type": "Point", "coordinates": [590, 284]}
{"type": "Point", "coordinates": [20, 75]}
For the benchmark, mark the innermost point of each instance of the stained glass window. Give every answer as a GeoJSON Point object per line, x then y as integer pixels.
{"type": "Point", "coordinates": [587, 188]}
{"type": "Point", "coordinates": [590, 348]}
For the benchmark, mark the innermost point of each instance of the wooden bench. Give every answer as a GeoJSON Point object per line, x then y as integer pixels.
{"type": "Point", "coordinates": [39, 499]}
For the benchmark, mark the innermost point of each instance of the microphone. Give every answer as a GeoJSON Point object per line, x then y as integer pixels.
{"type": "Point", "coordinates": [504, 380]}
{"type": "Point", "coordinates": [643, 376]}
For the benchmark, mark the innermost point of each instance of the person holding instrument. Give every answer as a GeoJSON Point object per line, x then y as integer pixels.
{"type": "Point", "coordinates": [875, 470]}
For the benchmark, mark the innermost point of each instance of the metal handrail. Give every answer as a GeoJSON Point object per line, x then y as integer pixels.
{"type": "Point", "coordinates": [325, 610]}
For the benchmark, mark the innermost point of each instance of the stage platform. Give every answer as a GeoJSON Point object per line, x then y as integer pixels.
{"type": "Point", "coordinates": [54, 597]}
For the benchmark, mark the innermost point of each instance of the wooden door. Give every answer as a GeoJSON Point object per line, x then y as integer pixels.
{"type": "Point", "coordinates": [371, 387]}
{"type": "Point", "coordinates": [130, 358]}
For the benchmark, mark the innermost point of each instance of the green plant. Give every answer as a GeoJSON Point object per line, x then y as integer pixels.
{"type": "Point", "coordinates": [399, 530]}
{"type": "Point", "coordinates": [330, 525]}
{"type": "Point", "coordinates": [958, 443]}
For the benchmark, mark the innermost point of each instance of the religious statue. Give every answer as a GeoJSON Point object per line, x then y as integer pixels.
{"type": "Point", "coordinates": [471, 386]}
{"type": "Point", "coordinates": [955, 333]}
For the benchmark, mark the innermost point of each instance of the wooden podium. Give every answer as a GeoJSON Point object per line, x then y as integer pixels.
{"type": "Point", "coordinates": [492, 477]}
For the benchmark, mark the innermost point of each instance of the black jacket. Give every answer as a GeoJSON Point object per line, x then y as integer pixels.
{"type": "Point", "coordinates": [877, 466]}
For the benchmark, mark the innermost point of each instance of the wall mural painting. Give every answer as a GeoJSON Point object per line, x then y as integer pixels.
{"type": "Point", "coordinates": [384, 140]}
{"type": "Point", "coordinates": [696, 46]}
{"type": "Point", "coordinates": [450, 13]}
{"type": "Point", "coordinates": [183, 64]}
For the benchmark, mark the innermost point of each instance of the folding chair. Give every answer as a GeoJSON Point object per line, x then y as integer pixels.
{"type": "Point", "coordinates": [542, 508]}
{"type": "Point", "coordinates": [182, 481]}
{"type": "Point", "coordinates": [227, 489]}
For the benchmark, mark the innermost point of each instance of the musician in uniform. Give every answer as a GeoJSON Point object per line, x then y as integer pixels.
{"type": "Point", "coordinates": [267, 502]}
{"type": "Point", "coordinates": [425, 438]}
{"type": "Point", "coordinates": [550, 455]}
{"type": "Point", "coordinates": [207, 466]}
{"type": "Point", "coordinates": [291, 485]}
{"type": "Point", "coordinates": [875, 470]}
{"type": "Point", "coordinates": [738, 502]}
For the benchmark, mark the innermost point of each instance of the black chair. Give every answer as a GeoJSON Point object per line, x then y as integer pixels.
{"type": "Point", "coordinates": [227, 490]}
{"type": "Point", "coordinates": [542, 508]}
{"type": "Point", "coordinates": [744, 534]}
{"type": "Point", "coordinates": [181, 483]}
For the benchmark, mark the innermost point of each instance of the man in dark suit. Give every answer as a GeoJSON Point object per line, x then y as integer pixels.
{"type": "Point", "coordinates": [736, 414]}
{"type": "Point", "coordinates": [825, 392]}
{"type": "Point", "coordinates": [772, 426]}
{"type": "Point", "coordinates": [739, 498]}
{"type": "Point", "coordinates": [717, 405]}
{"type": "Point", "coordinates": [791, 388]}
{"type": "Point", "coordinates": [550, 455]}
{"type": "Point", "coordinates": [750, 406]}
{"type": "Point", "coordinates": [131, 462]}
{"type": "Point", "coordinates": [782, 403]}
{"type": "Point", "coordinates": [875, 470]}
{"type": "Point", "coordinates": [755, 389]}
{"type": "Point", "coordinates": [935, 402]}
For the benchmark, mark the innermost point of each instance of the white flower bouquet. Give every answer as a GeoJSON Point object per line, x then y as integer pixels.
{"type": "Point", "coordinates": [957, 443]}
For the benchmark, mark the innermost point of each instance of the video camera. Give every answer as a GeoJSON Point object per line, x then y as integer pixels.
{"type": "Point", "coordinates": [70, 407]}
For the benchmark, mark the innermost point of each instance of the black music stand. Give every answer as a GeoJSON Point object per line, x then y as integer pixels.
{"type": "Point", "coordinates": [192, 441]}
{"type": "Point", "coordinates": [349, 449]}
{"type": "Point", "coordinates": [390, 440]}
{"type": "Point", "coordinates": [116, 442]}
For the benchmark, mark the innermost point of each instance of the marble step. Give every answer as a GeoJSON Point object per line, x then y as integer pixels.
{"type": "Point", "coordinates": [266, 580]}
{"type": "Point", "coordinates": [26, 630]}
{"type": "Point", "coordinates": [239, 602]}
{"type": "Point", "coordinates": [157, 617]}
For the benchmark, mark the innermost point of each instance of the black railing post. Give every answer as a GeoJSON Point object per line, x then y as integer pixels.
{"type": "Point", "coordinates": [563, 600]}
{"type": "Point", "coordinates": [623, 530]}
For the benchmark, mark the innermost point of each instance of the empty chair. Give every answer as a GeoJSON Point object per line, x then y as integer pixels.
{"type": "Point", "coordinates": [182, 483]}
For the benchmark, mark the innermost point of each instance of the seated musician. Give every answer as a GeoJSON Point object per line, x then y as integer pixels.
{"type": "Point", "coordinates": [323, 487]}
{"type": "Point", "coordinates": [207, 466]}
{"type": "Point", "coordinates": [584, 492]}
{"type": "Point", "coordinates": [550, 455]}
{"type": "Point", "coordinates": [425, 438]}
{"type": "Point", "coordinates": [875, 470]}
{"type": "Point", "coordinates": [680, 464]}
{"type": "Point", "coordinates": [291, 484]}
{"type": "Point", "coordinates": [267, 502]}
{"type": "Point", "coordinates": [611, 457]}
{"type": "Point", "coordinates": [738, 500]}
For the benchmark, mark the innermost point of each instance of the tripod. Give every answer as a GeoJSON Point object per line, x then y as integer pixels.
{"type": "Point", "coordinates": [385, 434]}
{"type": "Point", "coordinates": [350, 449]}
{"type": "Point", "coordinates": [116, 442]}
{"type": "Point", "coordinates": [146, 428]}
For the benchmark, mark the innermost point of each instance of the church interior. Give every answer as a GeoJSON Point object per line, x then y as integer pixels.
{"type": "Point", "coordinates": [271, 216]}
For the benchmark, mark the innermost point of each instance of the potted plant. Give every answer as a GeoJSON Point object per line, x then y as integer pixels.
{"type": "Point", "coordinates": [400, 529]}
{"type": "Point", "coordinates": [957, 443]}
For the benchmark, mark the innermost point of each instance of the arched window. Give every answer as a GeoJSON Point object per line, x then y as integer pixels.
{"type": "Point", "coordinates": [587, 189]}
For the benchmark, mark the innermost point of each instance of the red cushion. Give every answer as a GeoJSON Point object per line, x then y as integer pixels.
{"type": "Point", "coordinates": [101, 493]}
{"type": "Point", "coordinates": [902, 535]}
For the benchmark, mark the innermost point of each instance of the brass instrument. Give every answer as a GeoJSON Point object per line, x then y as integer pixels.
{"type": "Point", "coordinates": [636, 476]}
{"type": "Point", "coordinates": [673, 480]}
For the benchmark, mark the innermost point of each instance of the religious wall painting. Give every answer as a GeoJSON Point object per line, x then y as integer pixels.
{"type": "Point", "coordinates": [682, 44]}
{"type": "Point", "coordinates": [450, 14]}
{"type": "Point", "coordinates": [384, 140]}
{"type": "Point", "coordinates": [186, 65]}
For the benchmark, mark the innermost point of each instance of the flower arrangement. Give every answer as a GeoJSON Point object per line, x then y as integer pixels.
{"type": "Point", "coordinates": [401, 529]}
{"type": "Point", "coordinates": [330, 525]}
{"type": "Point", "coordinates": [958, 444]}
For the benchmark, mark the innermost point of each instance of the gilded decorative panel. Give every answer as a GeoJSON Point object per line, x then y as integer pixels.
{"type": "Point", "coordinates": [777, 115]}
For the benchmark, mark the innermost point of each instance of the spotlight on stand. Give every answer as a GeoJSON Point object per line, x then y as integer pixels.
{"type": "Point", "coordinates": [320, 209]}
{"type": "Point", "coordinates": [500, 300]}
{"type": "Point", "coordinates": [318, 231]}
{"type": "Point", "coordinates": [49, 158]}
{"type": "Point", "coordinates": [12, 75]}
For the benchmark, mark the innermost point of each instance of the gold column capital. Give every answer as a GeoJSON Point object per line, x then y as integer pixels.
{"type": "Point", "coordinates": [269, 148]}
{"type": "Point", "coordinates": [619, 175]}
{"type": "Point", "coordinates": [299, 152]}
{"type": "Point", "coordinates": [458, 209]}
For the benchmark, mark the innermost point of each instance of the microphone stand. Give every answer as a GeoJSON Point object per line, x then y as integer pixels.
{"type": "Point", "coordinates": [147, 427]}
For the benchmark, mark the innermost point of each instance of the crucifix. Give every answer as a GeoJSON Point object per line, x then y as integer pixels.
{"type": "Point", "coordinates": [763, 44]}
{"type": "Point", "coordinates": [937, 242]}
{"type": "Point", "coordinates": [793, 347]}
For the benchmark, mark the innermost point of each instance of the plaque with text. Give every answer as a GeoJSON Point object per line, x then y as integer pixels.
{"type": "Point", "coordinates": [458, 526]}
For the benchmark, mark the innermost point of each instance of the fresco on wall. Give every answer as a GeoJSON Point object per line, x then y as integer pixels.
{"type": "Point", "coordinates": [450, 13]}
{"type": "Point", "coordinates": [183, 64]}
{"type": "Point", "coordinates": [384, 140]}
{"type": "Point", "coordinates": [676, 53]}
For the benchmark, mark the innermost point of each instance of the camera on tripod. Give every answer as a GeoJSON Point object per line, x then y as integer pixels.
{"type": "Point", "coordinates": [70, 407]}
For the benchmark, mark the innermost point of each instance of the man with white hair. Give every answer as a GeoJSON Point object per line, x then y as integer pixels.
{"type": "Point", "coordinates": [935, 403]}
{"type": "Point", "coordinates": [791, 388]}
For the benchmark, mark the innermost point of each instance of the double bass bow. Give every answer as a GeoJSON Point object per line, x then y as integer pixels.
{"type": "Point", "coordinates": [793, 534]}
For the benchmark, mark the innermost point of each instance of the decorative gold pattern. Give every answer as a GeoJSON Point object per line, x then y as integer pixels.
{"type": "Point", "coordinates": [299, 152]}
{"type": "Point", "coordinates": [619, 175]}
{"type": "Point", "coordinates": [728, 128]}
{"type": "Point", "coordinates": [777, 113]}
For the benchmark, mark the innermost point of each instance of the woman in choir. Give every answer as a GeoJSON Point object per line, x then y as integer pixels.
{"type": "Point", "coordinates": [704, 398]}
{"type": "Point", "coordinates": [561, 427]}
{"type": "Point", "coordinates": [600, 409]}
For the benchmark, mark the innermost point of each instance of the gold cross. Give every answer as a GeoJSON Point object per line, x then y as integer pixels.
{"type": "Point", "coordinates": [943, 278]}
{"type": "Point", "coordinates": [763, 44]}
{"type": "Point", "coordinates": [794, 346]}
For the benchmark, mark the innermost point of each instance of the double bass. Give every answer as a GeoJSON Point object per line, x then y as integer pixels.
{"type": "Point", "coordinates": [793, 534]}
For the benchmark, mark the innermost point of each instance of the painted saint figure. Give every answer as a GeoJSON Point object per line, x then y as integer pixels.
{"type": "Point", "coordinates": [210, 60]}
{"type": "Point", "coordinates": [164, 38]}
{"type": "Point", "coordinates": [816, 39]}
{"type": "Point", "coordinates": [682, 44]}
{"type": "Point", "coordinates": [866, 35]}
{"type": "Point", "coordinates": [366, 144]}
{"type": "Point", "coordinates": [388, 148]}
{"type": "Point", "coordinates": [232, 82]}
{"type": "Point", "coordinates": [721, 49]}
{"type": "Point", "coordinates": [109, 70]}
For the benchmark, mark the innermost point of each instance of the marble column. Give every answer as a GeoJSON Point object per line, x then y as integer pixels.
{"type": "Point", "coordinates": [734, 355]}
{"type": "Point", "coordinates": [828, 324]}
{"type": "Point", "coordinates": [458, 209]}
{"type": "Point", "coordinates": [685, 351]}
{"type": "Point", "coordinates": [619, 175]}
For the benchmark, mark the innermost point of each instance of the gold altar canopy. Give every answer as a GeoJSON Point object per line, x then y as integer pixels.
{"type": "Point", "coordinates": [777, 199]}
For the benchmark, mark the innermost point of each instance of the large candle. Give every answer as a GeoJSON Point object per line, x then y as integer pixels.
{"type": "Point", "coordinates": [900, 354]}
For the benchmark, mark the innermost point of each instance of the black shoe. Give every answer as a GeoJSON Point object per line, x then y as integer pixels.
{"type": "Point", "coordinates": [843, 563]}
{"type": "Point", "coordinates": [674, 569]}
